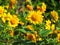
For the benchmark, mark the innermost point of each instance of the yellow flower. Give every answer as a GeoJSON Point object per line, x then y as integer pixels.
{"type": "Point", "coordinates": [57, 31]}
{"type": "Point", "coordinates": [9, 16]}
{"type": "Point", "coordinates": [53, 27]}
{"type": "Point", "coordinates": [12, 33]}
{"type": "Point", "coordinates": [39, 8]}
{"type": "Point", "coordinates": [13, 1]}
{"type": "Point", "coordinates": [21, 23]}
{"type": "Point", "coordinates": [13, 22]}
{"type": "Point", "coordinates": [29, 7]}
{"type": "Point", "coordinates": [36, 33]}
{"type": "Point", "coordinates": [48, 25]}
{"type": "Point", "coordinates": [31, 37]}
{"type": "Point", "coordinates": [55, 15]}
{"type": "Point", "coordinates": [30, 27]}
{"type": "Point", "coordinates": [35, 17]}
{"type": "Point", "coordinates": [2, 10]}
{"type": "Point", "coordinates": [42, 8]}
{"type": "Point", "coordinates": [27, 0]}
{"type": "Point", "coordinates": [58, 37]}
{"type": "Point", "coordinates": [39, 39]}
{"type": "Point", "coordinates": [6, 17]}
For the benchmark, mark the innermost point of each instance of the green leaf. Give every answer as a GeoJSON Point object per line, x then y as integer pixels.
{"type": "Point", "coordinates": [44, 33]}
{"type": "Point", "coordinates": [22, 30]}
{"type": "Point", "coordinates": [53, 2]}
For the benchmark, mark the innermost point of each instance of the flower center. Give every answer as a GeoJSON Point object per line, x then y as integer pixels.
{"type": "Point", "coordinates": [12, 22]}
{"type": "Point", "coordinates": [1, 11]}
{"type": "Point", "coordinates": [34, 17]}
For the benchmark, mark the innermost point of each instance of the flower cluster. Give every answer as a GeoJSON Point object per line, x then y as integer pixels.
{"type": "Point", "coordinates": [25, 22]}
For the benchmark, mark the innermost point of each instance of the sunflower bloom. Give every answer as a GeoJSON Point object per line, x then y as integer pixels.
{"type": "Point", "coordinates": [38, 7]}
{"type": "Point", "coordinates": [58, 37]}
{"type": "Point", "coordinates": [21, 23]}
{"type": "Point", "coordinates": [55, 15]}
{"type": "Point", "coordinates": [30, 27]}
{"type": "Point", "coordinates": [48, 25]}
{"type": "Point", "coordinates": [2, 10]}
{"type": "Point", "coordinates": [13, 22]}
{"type": "Point", "coordinates": [26, 0]}
{"type": "Point", "coordinates": [6, 17]}
{"type": "Point", "coordinates": [12, 33]}
{"type": "Point", "coordinates": [53, 27]}
{"type": "Point", "coordinates": [31, 37]}
{"type": "Point", "coordinates": [13, 1]}
{"type": "Point", "coordinates": [57, 31]}
{"type": "Point", "coordinates": [29, 7]}
{"type": "Point", "coordinates": [35, 17]}
{"type": "Point", "coordinates": [9, 16]}
{"type": "Point", "coordinates": [42, 8]}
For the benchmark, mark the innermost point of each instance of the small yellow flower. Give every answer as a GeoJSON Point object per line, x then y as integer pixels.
{"type": "Point", "coordinates": [36, 33]}
{"type": "Point", "coordinates": [58, 37]}
{"type": "Point", "coordinates": [35, 17]}
{"type": "Point", "coordinates": [12, 33]}
{"type": "Point", "coordinates": [27, 0]}
{"type": "Point", "coordinates": [39, 8]}
{"type": "Point", "coordinates": [29, 7]}
{"type": "Point", "coordinates": [6, 17]}
{"type": "Point", "coordinates": [9, 16]}
{"type": "Point", "coordinates": [39, 39]}
{"type": "Point", "coordinates": [30, 27]}
{"type": "Point", "coordinates": [48, 25]}
{"type": "Point", "coordinates": [53, 27]}
{"type": "Point", "coordinates": [21, 23]}
{"type": "Point", "coordinates": [13, 22]}
{"type": "Point", "coordinates": [55, 15]}
{"type": "Point", "coordinates": [31, 37]}
{"type": "Point", "coordinates": [57, 31]}
{"type": "Point", "coordinates": [2, 10]}
{"type": "Point", "coordinates": [13, 1]}
{"type": "Point", "coordinates": [42, 8]}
